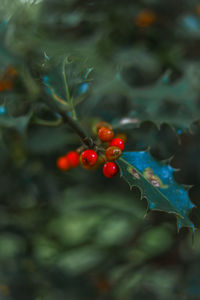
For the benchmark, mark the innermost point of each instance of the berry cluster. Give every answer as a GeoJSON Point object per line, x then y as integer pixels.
{"type": "Point", "coordinates": [108, 148]}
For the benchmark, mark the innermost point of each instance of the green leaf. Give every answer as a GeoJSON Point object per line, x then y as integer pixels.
{"type": "Point", "coordinates": [157, 185]}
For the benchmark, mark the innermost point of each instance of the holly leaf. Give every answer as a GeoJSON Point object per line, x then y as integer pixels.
{"type": "Point", "coordinates": [157, 184]}
{"type": "Point", "coordinates": [77, 78]}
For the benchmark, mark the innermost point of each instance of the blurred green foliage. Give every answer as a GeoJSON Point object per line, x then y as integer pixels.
{"type": "Point", "coordinates": [77, 235]}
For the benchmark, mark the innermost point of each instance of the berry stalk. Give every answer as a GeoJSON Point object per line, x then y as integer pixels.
{"type": "Point", "coordinates": [88, 141]}
{"type": "Point", "coordinates": [74, 124]}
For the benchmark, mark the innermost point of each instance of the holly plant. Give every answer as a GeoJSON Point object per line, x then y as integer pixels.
{"type": "Point", "coordinates": [104, 147]}
{"type": "Point", "coordinates": [99, 149]}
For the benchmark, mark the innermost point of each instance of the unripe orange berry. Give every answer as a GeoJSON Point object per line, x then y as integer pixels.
{"type": "Point", "coordinates": [63, 163]}
{"type": "Point", "coordinates": [145, 18]}
{"type": "Point", "coordinates": [103, 124]}
{"type": "Point", "coordinates": [110, 169]}
{"type": "Point", "coordinates": [101, 159]}
{"type": "Point", "coordinates": [73, 159]}
{"type": "Point", "coordinates": [113, 153]}
{"type": "Point", "coordinates": [89, 168]}
{"type": "Point", "coordinates": [105, 134]}
{"type": "Point", "coordinates": [88, 157]}
{"type": "Point", "coordinates": [122, 136]}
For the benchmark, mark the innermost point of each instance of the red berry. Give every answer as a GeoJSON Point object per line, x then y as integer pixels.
{"type": "Point", "coordinates": [105, 134]}
{"type": "Point", "coordinates": [73, 159]}
{"type": "Point", "coordinates": [110, 169]}
{"type": "Point", "coordinates": [63, 163]}
{"type": "Point", "coordinates": [89, 157]}
{"type": "Point", "coordinates": [118, 143]}
{"type": "Point", "coordinates": [113, 153]}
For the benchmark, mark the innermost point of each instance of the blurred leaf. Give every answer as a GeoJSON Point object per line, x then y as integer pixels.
{"type": "Point", "coordinates": [11, 245]}
{"type": "Point", "coordinates": [114, 230]}
{"type": "Point", "coordinates": [44, 141]}
{"type": "Point", "coordinates": [19, 123]}
{"type": "Point", "coordinates": [152, 241]}
{"type": "Point", "coordinates": [75, 228]}
{"type": "Point", "coordinates": [80, 260]}
{"type": "Point", "coordinates": [45, 250]}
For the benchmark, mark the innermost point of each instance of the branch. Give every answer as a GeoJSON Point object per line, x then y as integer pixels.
{"type": "Point", "coordinates": [74, 124]}
{"type": "Point", "coordinates": [88, 141]}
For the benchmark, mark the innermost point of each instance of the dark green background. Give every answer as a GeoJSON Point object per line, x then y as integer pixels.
{"type": "Point", "coordinates": [78, 235]}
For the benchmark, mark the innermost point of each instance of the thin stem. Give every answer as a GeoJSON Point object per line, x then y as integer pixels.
{"type": "Point", "coordinates": [69, 99]}
{"type": "Point", "coordinates": [88, 141]}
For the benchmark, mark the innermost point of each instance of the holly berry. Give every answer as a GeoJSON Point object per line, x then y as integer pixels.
{"type": "Point", "coordinates": [89, 157]}
{"type": "Point", "coordinates": [110, 169]}
{"type": "Point", "coordinates": [63, 163]}
{"type": "Point", "coordinates": [105, 134]}
{"type": "Point", "coordinates": [122, 136]}
{"type": "Point", "coordinates": [73, 159]}
{"type": "Point", "coordinates": [118, 143]}
{"type": "Point", "coordinates": [103, 124]}
{"type": "Point", "coordinates": [113, 153]}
